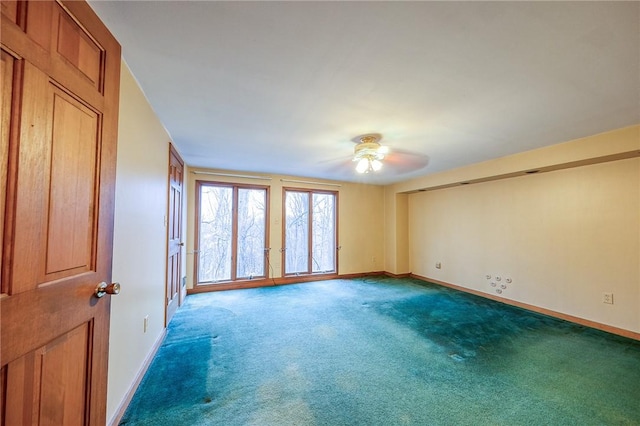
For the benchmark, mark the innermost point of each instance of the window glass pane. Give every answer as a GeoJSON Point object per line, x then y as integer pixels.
{"type": "Point", "coordinates": [251, 232]}
{"type": "Point", "coordinates": [215, 233]}
{"type": "Point", "coordinates": [296, 232]}
{"type": "Point", "coordinates": [323, 233]}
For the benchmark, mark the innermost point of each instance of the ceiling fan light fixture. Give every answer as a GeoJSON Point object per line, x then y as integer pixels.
{"type": "Point", "coordinates": [362, 166]}
{"type": "Point", "coordinates": [366, 165]}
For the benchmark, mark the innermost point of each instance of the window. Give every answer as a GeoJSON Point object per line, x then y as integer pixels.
{"type": "Point", "coordinates": [231, 232]}
{"type": "Point", "coordinates": [310, 232]}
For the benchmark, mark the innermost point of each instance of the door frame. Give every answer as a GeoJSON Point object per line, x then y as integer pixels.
{"type": "Point", "coordinates": [169, 311]}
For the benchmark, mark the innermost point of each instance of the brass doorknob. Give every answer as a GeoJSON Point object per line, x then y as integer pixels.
{"type": "Point", "coordinates": [104, 288]}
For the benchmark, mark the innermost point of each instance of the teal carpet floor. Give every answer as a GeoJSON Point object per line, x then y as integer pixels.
{"type": "Point", "coordinates": [382, 351]}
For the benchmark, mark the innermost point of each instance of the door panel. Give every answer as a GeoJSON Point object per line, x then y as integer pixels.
{"type": "Point", "coordinates": [38, 22]}
{"type": "Point", "coordinates": [70, 227]}
{"type": "Point", "coordinates": [79, 49]}
{"type": "Point", "coordinates": [30, 216]}
{"type": "Point", "coordinates": [64, 366]}
{"type": "Point", "coordinates": [51, 382]}
{"type": "Point", "coordinates": [58, 164]}
{"type": "Point", "coordinates": [10, 10]}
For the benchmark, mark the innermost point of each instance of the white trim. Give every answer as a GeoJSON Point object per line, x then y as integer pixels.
{"type": "Point", "coordinates": [122, 407]}
{"type": "Point", "coordinates": [199, 172]}
{"type": "Point", "coordinates": [310, 183]}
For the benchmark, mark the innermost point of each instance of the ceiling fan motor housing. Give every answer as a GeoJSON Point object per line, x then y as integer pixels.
{"type": "Point", "coordinates": [369, 147]}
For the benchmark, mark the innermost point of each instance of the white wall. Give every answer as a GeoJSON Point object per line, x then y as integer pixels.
{"type": "Point", "coordinates": [139, 256]}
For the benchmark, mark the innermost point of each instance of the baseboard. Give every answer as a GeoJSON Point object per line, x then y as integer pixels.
{"type": "Point", "coordinates": [392, 275]}
{"type": "Point", "coordinates": [362, 275]}
{"type": "Point", "coordinates": [577, 320]}
{"type": "Point", "coordinates": [134, 386]}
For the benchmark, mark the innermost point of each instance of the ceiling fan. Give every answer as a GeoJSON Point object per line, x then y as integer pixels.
{"type": "Point", "coordinates": [371, 157]}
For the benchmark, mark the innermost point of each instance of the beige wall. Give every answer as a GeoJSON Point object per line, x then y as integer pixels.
{"type": "Point", "coordinates": [396, 236]}
{"type": "Point", "coordinates": [360, 220]}
{"type": "Point", "coordinates": [139, 256]}
{"type": "Point", "coordinates": [564, 237]}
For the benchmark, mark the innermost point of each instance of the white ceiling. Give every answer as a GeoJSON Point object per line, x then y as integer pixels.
{"type": "Point", "coordinates": [285, 87]}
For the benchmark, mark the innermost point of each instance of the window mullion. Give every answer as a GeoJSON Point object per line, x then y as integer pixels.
{"type": "Point", "coordinates": [310, 234]}
{"type": "Point", "coordinates": [234, 234]}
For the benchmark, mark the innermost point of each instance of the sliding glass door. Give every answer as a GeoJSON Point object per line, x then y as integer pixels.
{"type": "Point", "coordinates": [310, 222]}
{"type": "Point", "coordinates": [231, 232]}
{"type": "Point", "coordinates": [252, 233]}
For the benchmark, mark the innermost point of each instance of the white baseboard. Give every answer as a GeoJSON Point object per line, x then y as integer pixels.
{"type": "Point", "coordinates": [122, 407]}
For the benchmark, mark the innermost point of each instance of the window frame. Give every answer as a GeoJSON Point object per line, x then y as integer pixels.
{"type": "Point", "coordinates": [336, 210]}
{"type": "Point", "coordinates": [199, 184]}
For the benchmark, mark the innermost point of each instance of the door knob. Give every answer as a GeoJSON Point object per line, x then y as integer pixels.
{"type": "Point", "coordinates": [104, 288]}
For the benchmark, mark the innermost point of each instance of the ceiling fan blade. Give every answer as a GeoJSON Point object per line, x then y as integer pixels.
{"type": "Point", "coordinates": [406, 160]}
{"type": "Point", "coordinates": [338, 165]}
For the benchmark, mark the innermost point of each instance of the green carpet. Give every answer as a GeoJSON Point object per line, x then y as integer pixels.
{"type": "Point", "coordinates": [382, 351]}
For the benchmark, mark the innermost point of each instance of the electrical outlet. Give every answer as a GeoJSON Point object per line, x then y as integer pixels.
{"type": "Point", "coordinates": [145, 324]}
{"type": "Point", "coordinates": [607, 298]}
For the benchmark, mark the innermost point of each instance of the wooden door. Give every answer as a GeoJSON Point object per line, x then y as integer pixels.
{"type": "Point", "coordinates": [174, 233]}
{"type": "Point", "coordinates": [60, 87]}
